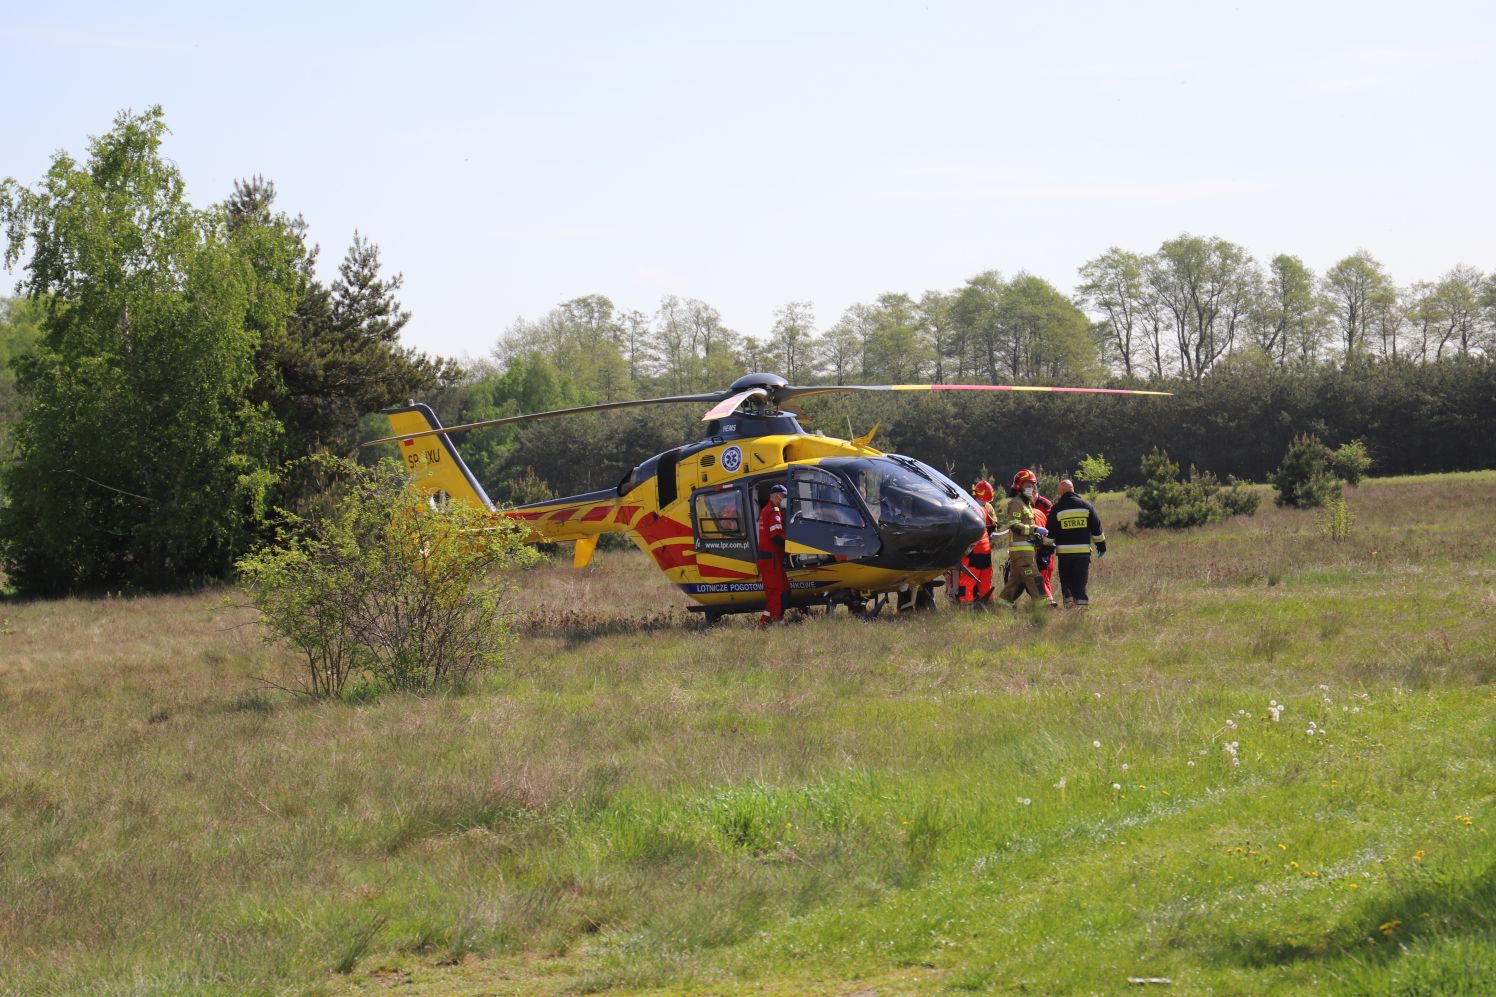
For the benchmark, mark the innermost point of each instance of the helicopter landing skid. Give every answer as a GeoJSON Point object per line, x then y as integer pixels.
{"type": "Point", "coordinates": [713, 614]}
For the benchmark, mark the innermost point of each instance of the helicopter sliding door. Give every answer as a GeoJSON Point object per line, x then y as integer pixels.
{"type": "Point", "coordinates": [825, 518]}
{"type": "Point", "coordinates": [719, 518]}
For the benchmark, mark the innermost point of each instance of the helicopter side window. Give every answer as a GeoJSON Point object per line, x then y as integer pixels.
{"type": "Point", "coordinates": [719, 515]}
{"type": "Point", "coordinates": [819, 496]}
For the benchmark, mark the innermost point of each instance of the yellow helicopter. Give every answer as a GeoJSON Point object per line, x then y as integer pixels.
{"type": "Point", "coordinates": [862, 528]}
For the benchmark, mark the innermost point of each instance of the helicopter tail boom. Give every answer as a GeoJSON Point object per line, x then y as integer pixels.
{"type": "Point", "coordinates": [576, 517]}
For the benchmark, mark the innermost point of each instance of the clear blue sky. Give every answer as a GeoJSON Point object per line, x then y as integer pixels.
{"type": "Point", "coordinates": [509, 156]}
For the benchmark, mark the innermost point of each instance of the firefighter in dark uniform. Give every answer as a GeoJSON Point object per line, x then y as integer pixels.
{"type": "Point", "coordinates": [1018, 517]}
{"type": "Point", "coordinates": [1075, 526]}
{"type": "Point", "coordinates": [771, 556]}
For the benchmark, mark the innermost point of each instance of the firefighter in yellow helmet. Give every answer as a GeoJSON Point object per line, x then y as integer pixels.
{"type": "Point", "coordinates": [1018, 517]}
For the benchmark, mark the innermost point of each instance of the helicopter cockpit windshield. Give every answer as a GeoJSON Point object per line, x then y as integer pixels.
{"type": "Point", "coordinates": [896, 495]}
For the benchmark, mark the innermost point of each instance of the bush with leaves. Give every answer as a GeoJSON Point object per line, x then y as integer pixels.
{"type": "Point", "coordinates": [1350, 462]}
{"type": "Point", "coordinates": [1092, 471]}
{"type": "Point", "coordinates": [1238, 497]}
{"type": "Point", "coordinates": [1311, 475]}
{"type": "Point", "coordinates": [380, 583]}
{"type": "Point", "coordinates": [1167, 500]}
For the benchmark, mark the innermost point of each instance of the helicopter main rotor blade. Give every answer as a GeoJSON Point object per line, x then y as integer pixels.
{"type": "Point", "coordinates": [789, 392]}
{"type": "Point", "coordinates": [531, 417]}
{"type": "Point", "coordinates": [730, 404]}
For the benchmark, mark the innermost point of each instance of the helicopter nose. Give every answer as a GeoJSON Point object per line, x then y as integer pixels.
{"type": "Point", "coordinates": [938, 543]}
{"type": "Point", "coordinates": [972, 525]}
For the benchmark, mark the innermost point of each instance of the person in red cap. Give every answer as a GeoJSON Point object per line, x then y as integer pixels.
{"type": "Point", "coordinates": [771, 556]}
{"type": "Point", "coordinates": [1023, 572]}
{"type": "Point", "coordinates": [974, 582]}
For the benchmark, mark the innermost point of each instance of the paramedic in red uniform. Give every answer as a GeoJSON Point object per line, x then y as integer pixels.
{"type": "Point", "coordinates": [1044, 550]}
{"type": "Point", "coordinates": [975, 583]}
{"type": "Point", "coordinates": [771, 556]}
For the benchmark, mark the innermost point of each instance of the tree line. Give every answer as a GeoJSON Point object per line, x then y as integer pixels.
{"type": "Point", "coordinates": [166, 365]}
{"type": "Point", "coordinates": [1174, 313]}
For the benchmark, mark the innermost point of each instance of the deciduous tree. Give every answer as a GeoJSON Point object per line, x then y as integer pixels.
{"type": "Point", "coordinates": [139, 458]}
{"type": "Point", "coordinates": [1205, 287]}
{"type": "Point", "coordinates": [793, 339]}
{"type": "Point", "coordinates": [1351, 287]}
{"type": "Point", "coordinates": [1112, 285]}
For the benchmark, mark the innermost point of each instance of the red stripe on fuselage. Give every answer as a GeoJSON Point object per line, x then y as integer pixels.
{"type": "Point", "coordinates": [656, 528]}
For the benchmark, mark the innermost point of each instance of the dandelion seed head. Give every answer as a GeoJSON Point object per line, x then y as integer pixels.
{"type": "Point", "coordinates": [1117, 786]}
{"type": "Point", "coordinates": [1095, 744]}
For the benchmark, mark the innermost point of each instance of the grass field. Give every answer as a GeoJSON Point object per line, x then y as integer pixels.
{"type": "Point", "coordinates": [1046, 803]}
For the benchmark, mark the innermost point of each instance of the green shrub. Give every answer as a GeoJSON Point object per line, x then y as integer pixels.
{"type": "Point", "coordinates": [1238, 497]}
{"type": "Point", "coordinates": [1350, 462]}
{"type": "Point", "coordinates": [1337, 521]}
{"type": "Point", "coordinates": [1092, 471]}
{"type": "Point", "coordinates": [382, 584]}
{"type": "Point", "coordinates": [1166, 500]}
{"type": "Point", "coordinates": [1304, 480]}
